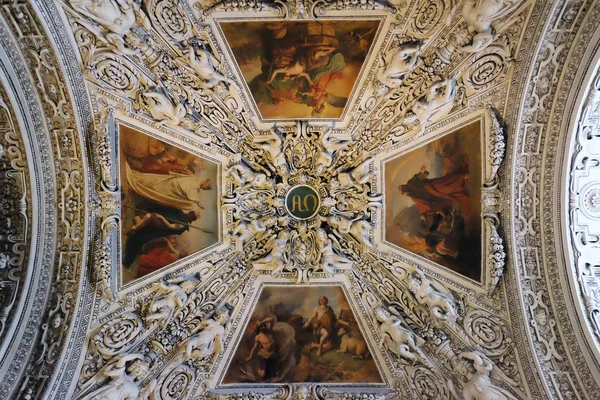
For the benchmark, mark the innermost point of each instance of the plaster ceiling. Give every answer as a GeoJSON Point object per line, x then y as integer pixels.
{"type": "Point", "coordinates": [329, 199]}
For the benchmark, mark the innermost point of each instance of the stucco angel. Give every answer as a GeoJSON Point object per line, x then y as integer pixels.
{"type": "Point", "coordinates": [208, 340]}
{"type": "Point", "coordinates": [479, 15]}
{"type": "Point", "coordinates": [397, 63]}
{"type": "Point", "coordinates": [397, 338]}
{"type": "Point", "coordinates": [276, 259]}
{"type": "Point", "coordinates": [355, 178]}
{"type": "Point", "coordinates": [435, 297]}
{"type": "Point", "coordinates": [169, 296]}
{"type": "Point", "coordinates": [330, 145]}
{"type": "Point", "coordinates": [117, 16]}
{"type": "Point", "coordinates": [271, 144]}
{"type": "Point", "coordinates": [244, 177]}
{"type": "Point", "coordinates": [358, 228]}
{"type": "Point", "coordinates": [206, 67]}
{"type": "Point", "coordinates": [244, 230]}
{"type": "Point", "coordinates": [436, 103]}
{"type": "Point", "coordinates": [163, 109]}
{"type": "Point", "coordinates": [330, 261]}
{"type": "Point", "coordinates": [474, 369]}
{"type": "Point", "coordinates": [124, 375]}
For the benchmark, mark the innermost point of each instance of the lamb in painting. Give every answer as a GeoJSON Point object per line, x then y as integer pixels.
{"type": "Point", "coordinates": [352, 345]}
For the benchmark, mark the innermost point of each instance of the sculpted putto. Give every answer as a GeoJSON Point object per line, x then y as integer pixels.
{"type": "Point", "coordinates": [331, 261]}
{"type": "Point", "coordinates": [397, 63]}
{"type": "Point", "coordinates": [206, 67]}
{"type": "Point", "coordinates": [117, 16]}
{"type": "Point", "coordinates": [436, 298]}
{"type": "Point", "coordinates": [359, 229]}
{"type": "Point", "coordinates": [330, 146]}
{"type": "Point", "coordinates": [162, 109]}
{"type": "Point", "coordinates": [474, 369]}
{"type": "Point", "coordinates": [396, 338]}
{"type": "Point", "coordinates": [124, 375]}
{"type": "Point", "coordinates": [479, 15]}
{"type": "Point", "coordinates": [208, 340]}
{"type": "Point", "coordinates": [436, 103]}
{"type": "Point", "coordinates": [276, 259]}
{"type": "Point", "coordinates": [169, 296]}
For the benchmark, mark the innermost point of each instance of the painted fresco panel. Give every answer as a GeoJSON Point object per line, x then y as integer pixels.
{"type": "Point", "coordinates": [433, 201]}
{"type": "Point", "coordinates": [169, 203]}
{"type": "Point", "coordinates": [281, 341]}
{"type": "Point", "coordinates": [300, 69]}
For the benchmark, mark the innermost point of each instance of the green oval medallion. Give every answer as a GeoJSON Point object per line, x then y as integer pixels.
{"type": "Point", "coordinates": [302, 202]}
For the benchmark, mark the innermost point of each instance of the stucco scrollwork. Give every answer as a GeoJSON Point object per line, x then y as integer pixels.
{"type": "Point", "coordinates": [585, 203]}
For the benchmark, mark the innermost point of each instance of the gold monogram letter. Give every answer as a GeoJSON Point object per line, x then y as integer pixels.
{"type": "Point", "coordinates": [314, 202]}
{"type": "Point", "coordinates": [297, 201]}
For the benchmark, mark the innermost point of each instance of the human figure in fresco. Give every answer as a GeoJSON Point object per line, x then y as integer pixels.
{"type": "Point", "coordinates": [298, 64]}
{"type": "Point", "coordinates": [154, 227]}
{"type": "Point", "coordinates": [154, 220]}
{"type": "Point", "coordinates": [439, 195]}
{"type": "Point", "coordinates": [158, 254]}
{"type": "Point", "coordinates": [264, 351]}
{"type": "Point", "coordinates": [174, 190]}
{"type": "Point", "coordinates": [323, 322]}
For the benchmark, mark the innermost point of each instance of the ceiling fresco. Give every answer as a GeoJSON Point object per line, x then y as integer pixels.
{"type": "Point", "coordinates": [169, 203]}
{"type": "Point", "coordinates": [308, 199]}
{"type": "Point", "coordinates": [300, 69]}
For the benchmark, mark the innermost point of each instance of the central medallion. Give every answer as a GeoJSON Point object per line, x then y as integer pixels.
{"type": "Point", "coordinates": [302, 202]}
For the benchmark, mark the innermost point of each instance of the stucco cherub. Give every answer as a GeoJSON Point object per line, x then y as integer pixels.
{"type": "Point", "coordinates": [397, 338]}
{"type": "Point", "coordinates": [479, 15]}
{"type": "Point", "coordinates": [397, 63]}
{"type": "Point", "coordinates": [436, 298]}
{"type": "Point", "coordinates": [163, 109]}
{"type": "Point", "coordinates": [436, 103]}
{"type": "Point", "coordinates": [474, 369]}
{"type": "Point", "coordinates": [208, 340]}
{"type": "Point", "coordinates": [125, 375]}
{"type": "Point", "coordinates": [117, 16]}
{"type": "Point", "coordinates": [169, 296]}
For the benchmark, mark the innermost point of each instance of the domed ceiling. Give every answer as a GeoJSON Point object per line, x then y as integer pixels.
{"type": "Point", "coordinates": [328, 199]}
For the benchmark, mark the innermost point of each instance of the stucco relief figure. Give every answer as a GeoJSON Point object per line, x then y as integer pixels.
{"type": "Point", "coordinates": [397, 63]}
{"type": "Point", "coordinates": [479, 15]}
{"type": "Point", "coordinates": [271, 144]}
{"type": "Point", "coordinates": [244, 230]}
{"type": "Point", "coordinates": [436, 103]}
{"type": "Point", "coordinates": [124, 376]}
{"type": "Point", "coordinates": [244, 177]}
{"type": "Point", "coordinates": [359, 229]}
{"type": "Point", "coordinates": [435, 297]}
{"type": "Point", "coordinates": [208, 340]}
{"type": "Point", "coordinates": [118, 16]}
{"type": "Point", "coordinates": [355, 178]}
{"type": "Point", "coordinates": [398, 339]}
{"type": "Point", "coordinates": [330, 146]}
{"type": "Point", "coordinates": [276, 259]}
{"type": "Point", "coordinates": [331, 261]}
{"type": "Point", "coordinates": [474, 369]}
{"type": "Point", "coordinates": [169, 296]}
{"type": "Point", "coordinates": [206, 67]}
{"type": "Point", "coordinates": [163, 109]}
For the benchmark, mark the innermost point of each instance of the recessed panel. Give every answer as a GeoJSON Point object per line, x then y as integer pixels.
{"type": "Point", "coordinates": [300, 69]}
{"type": "Point", "coordinates": [433, 201]}
{"type": "Point", "coordinates": [302, 334]}
{"type": "Point", "coordinates": [169, 203]}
